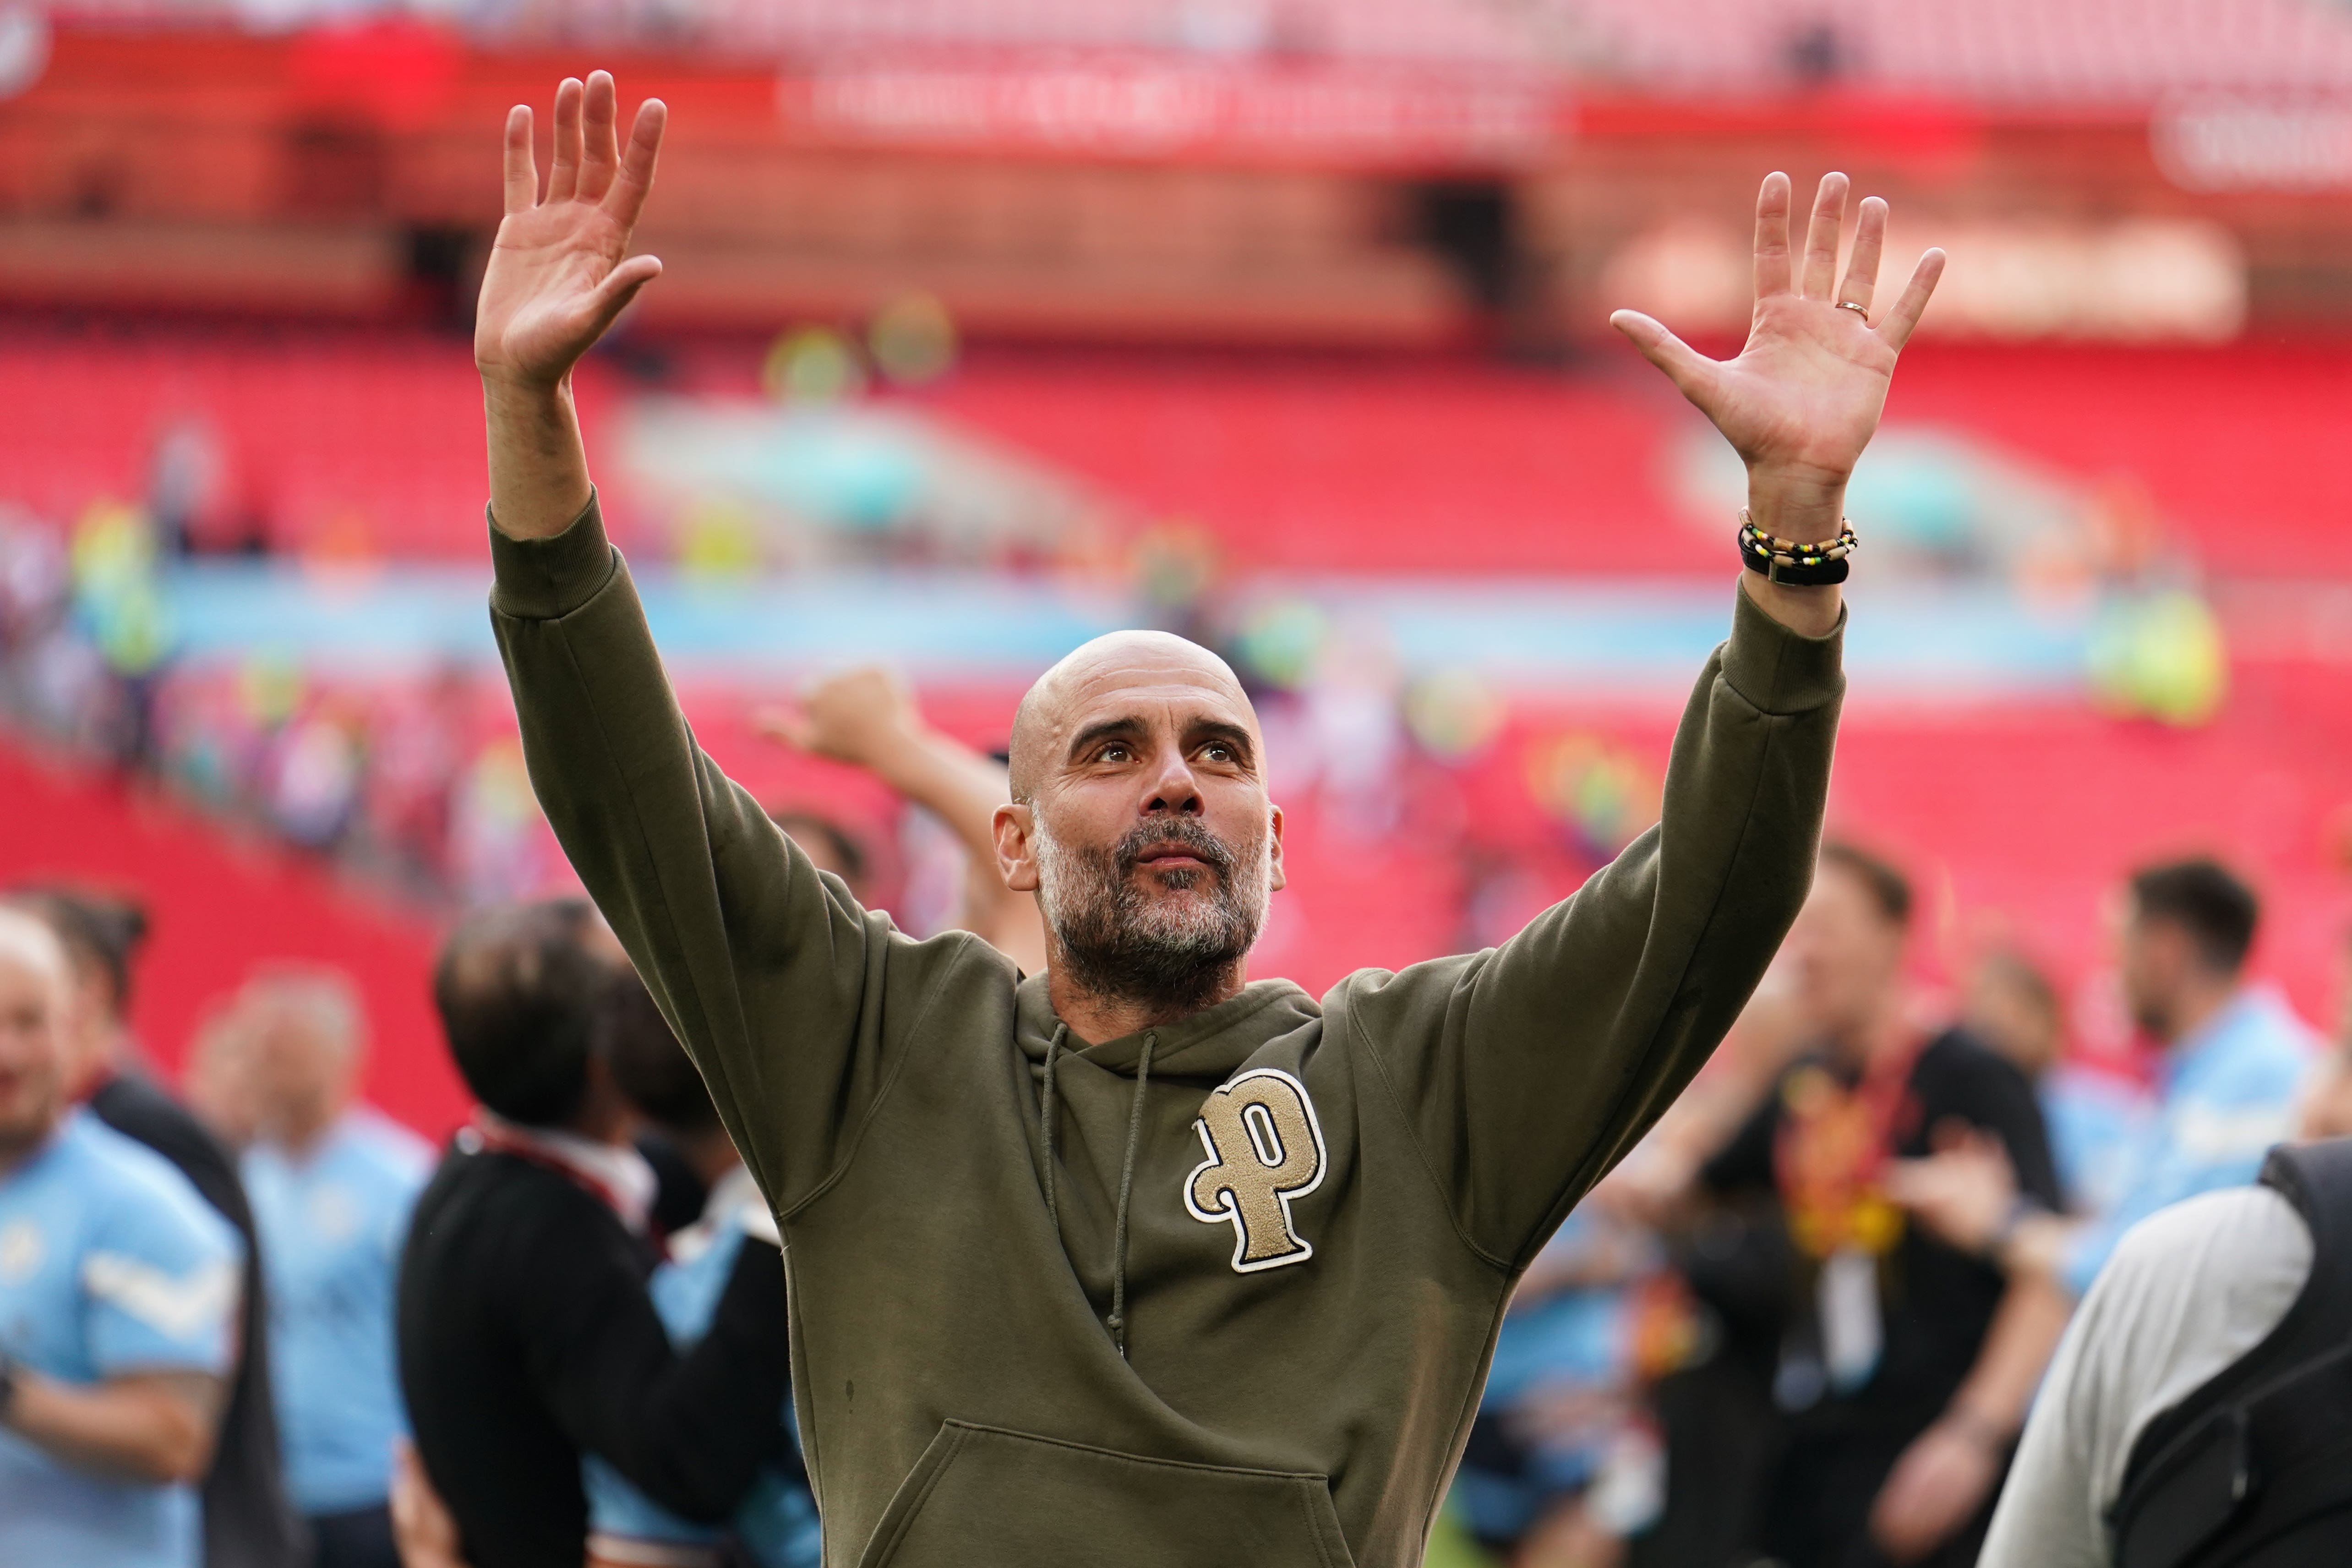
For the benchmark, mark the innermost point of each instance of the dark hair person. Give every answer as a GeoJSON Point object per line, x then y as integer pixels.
{"type": "Point", "coordinates": [528, 1340]}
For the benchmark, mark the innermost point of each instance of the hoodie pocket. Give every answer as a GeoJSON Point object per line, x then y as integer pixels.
{"type": "Point", "coordinates": [983, 1496]}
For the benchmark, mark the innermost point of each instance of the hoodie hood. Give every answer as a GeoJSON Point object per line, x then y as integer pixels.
{"type": "Point", "coordinates": [1205, 1049]}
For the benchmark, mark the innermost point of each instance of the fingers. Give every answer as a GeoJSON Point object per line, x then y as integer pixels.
{"type": "Point", "coordinates": [1869, 239]}
{"type": "Point", "coordinates": [1904, 316]}
{"type": "Point", "coordinates": [1821, 237]}
{"type": "Point", "coordinates": [626, 199]}
{"type": "Point", "coordinates": [522, 169]}
{"type": "Point", "coordinates": [620, 287]}
{"type": "Point", "coordinates": [563, 172]}
{"type": "Point", "coordinates": [1772, 236]}
{"type": "Point", "coordinates": [1688, 369]}
{"type": "Point", "coordinates": [600, 156]}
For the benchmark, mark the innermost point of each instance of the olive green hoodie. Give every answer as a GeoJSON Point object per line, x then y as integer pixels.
{"type": "Point", "coordinates": [1220, 1293]}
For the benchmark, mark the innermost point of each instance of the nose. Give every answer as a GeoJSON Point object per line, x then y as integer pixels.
{"type": "Point", "coordinates": [1175, 791]}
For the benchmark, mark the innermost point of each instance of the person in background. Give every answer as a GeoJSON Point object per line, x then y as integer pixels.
{"type": "Point", "coordinates": [2235, 1061]}
{"type": "Point", "coordinates": [829, 846]}
{"type": "Point", "coordinates": [2095, 1119]}
{"type": "Point", "coordinates": [1558, 1469]}
{"type": "Point", "coordinates": [527, 1338]}
{"type": "Point", "coordinates": [216, 1075]}
{"type": "Point", "coordinates": [775, 1526]}
{"type": "Point", "coordinates": [868, 719]}
{"type": "Point", "coordinates": [118, 1305]}
{"type": "Point", "coordinates": [1904, 1367]}
{"type": "Point", "coordinates": [332, 1183]}
{"type": "Point", "coordinates": [248, 1520]}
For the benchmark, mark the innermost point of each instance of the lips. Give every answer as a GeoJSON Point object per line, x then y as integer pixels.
{"type": "Point", "coordinates": [1174, 854]}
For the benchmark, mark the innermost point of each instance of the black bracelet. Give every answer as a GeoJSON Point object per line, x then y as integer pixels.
{"type": "Point", "coordinates": [7, 1383]}
{"type": "Point", "coordinates": [1786, 561]}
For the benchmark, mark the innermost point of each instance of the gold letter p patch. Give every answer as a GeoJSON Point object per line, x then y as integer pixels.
{"type": "Point", "coordinates": [1264, 1148]}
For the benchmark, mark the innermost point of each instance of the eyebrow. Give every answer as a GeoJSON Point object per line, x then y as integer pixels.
{"type": "Point", "coordinates": [1107, 728]}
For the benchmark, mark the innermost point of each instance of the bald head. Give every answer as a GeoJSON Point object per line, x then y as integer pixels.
{"type": "Point", "coordinates": [30, 943]}
{"type": "Point", "coordinates": [1146, 666]}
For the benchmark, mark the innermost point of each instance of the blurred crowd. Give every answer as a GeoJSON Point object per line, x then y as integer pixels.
{"type": "Point", "coordinates": [1803, 1324]}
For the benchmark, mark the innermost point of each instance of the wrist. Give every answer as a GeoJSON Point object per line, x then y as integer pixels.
{"type": "Point", "coordinates": [505, 387]}
{"type": "Point", "coordinates": [2022, 1211]}
{"type": "Point", "coordinates": [1806, 506]}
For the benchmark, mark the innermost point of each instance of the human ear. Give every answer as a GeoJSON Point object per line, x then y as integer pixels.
{"type": "Point", "coordinates": [1016, 858]}
{"type": "Point", "coordinates": [1274, 850]}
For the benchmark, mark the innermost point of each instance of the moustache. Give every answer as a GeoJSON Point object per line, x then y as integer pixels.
{"type": "Point", "coordinates": [1191, 837]}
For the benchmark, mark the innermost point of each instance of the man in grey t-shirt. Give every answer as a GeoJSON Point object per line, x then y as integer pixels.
{"type": "Point", "coordinates": [2188, 1292]}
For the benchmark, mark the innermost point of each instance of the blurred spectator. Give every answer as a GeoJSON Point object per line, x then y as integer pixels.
{"type": "Point", "coordinates": [2095, 1119]}
{"type": "Point", "coordinates": [868, 719]}
{"type": "Point", "coordinates": [775, 1526]}
{"type": "Point", "coordinates": [118, 1305]}
{"type": "Point", "coordinates": [528, 1339]}
{"type": "Point", "coordinates": [2235, 1058]}
{"type": "Point", "coordinates": [829, 846]}
{"type": "Point", "coordinates": [1904, 1365]}
{"type": "Point", "coordinates": [1559, 1468]}
{"type": "Point", "coordinates": [248, 1521]}
{"type": "Point", "coordinates": [332, 1183]}
{"type": "Point", "coordinates": [216, 1075]}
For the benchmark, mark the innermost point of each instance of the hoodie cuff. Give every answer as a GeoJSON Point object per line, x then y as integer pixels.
{"type": "Point", "coordinates": [546, 579]}
{"type": "Point", "coordinates": [1778, 670]}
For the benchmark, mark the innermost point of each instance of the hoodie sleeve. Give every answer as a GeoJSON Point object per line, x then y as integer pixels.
{"type": "Point", "coordinates": [1525, 1072]}
{"type": "Point", "coordinates": [767, 969]}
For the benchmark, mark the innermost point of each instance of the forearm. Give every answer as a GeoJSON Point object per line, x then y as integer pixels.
{"type": "Point", "coordinates": [539, 467]}
{"type": "Point", "coordinates": [952, 782]}
{"type": "Point", "coordinates": [142, 1431]}
{"type": "Point", "coordinates": [2017, 1349]}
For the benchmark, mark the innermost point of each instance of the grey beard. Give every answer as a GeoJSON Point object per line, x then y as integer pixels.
{"type": "Point", "coordinates": [1119, 942]}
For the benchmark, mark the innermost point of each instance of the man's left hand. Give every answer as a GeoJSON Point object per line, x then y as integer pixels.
{"type": "Point", "coordinates": [1937, 1487]}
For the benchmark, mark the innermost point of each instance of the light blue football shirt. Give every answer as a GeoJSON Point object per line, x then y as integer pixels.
{"type": "Point", "coordinates": [109, 1264]}
{"type": "Point", "coordinates": [331, 1224]}
{"type": "Point", "coordinates": [776, 1524]}
{"type": "Point", "coordinates": [2224, 1095]}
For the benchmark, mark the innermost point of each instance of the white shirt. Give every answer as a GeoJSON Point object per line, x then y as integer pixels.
{"type": "Point", "coordinates": [2189, 1291]}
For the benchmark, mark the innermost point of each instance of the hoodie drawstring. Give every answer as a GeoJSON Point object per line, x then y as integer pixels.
{"type": "Point", "coordinates": [1118, 1323]}
{"type": "Point", "coordinates": [1046, 1102]}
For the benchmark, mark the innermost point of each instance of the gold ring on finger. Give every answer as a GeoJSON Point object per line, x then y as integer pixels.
{"type": "Point", "coordinates": [1862, 310]}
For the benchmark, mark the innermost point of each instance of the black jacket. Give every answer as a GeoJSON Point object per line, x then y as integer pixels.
{"type": "Point", "coordinates": [526, 1339]}
{"type": "Point", "coordinates": [248, 1521]}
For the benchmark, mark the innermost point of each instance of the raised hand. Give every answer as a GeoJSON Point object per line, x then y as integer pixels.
{"type": "Point", "coordinates": [1803, 397]}
{"type": "Point", "coordinates": [863, 717]}
{"type": "Point", "coordinates": [559, 271]}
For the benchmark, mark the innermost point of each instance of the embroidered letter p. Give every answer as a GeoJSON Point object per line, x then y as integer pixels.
{"type": "Point", "coordinates": [1264, 1148]}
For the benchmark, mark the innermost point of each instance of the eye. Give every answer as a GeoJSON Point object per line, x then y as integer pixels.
{"type": "Point", "coordinates": [1116, 751]}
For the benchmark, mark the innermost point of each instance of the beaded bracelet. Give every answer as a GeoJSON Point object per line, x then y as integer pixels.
{"type": "Point", "coordinates": [1787, 561]}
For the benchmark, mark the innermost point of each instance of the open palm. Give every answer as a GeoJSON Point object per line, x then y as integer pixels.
{"type": "Point", "coordinates": [1803, 397]}
{"type": "Point", "coordinates": [559, 271]}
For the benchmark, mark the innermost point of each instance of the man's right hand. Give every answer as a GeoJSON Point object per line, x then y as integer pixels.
{"type": "Point", "coordinates": [560, 274]}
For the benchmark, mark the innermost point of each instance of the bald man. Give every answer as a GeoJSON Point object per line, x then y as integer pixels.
{"type": "Point", "coordinates": [1138, 1261]}
{"type": "Point", "coordinates": [118, 1304]}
